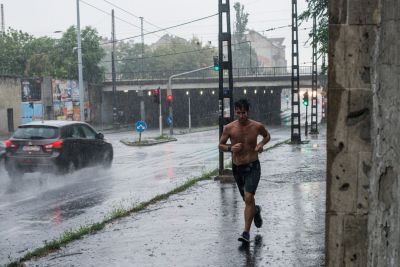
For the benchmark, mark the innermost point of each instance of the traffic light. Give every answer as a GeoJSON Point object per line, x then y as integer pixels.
{"type": "Point", "coordinates": [305, 99]}
{"type": "Point", "coordinates": [216, 63]}
{"type": "Point", "coordinates": [170, 98]}
{"type": "Point", "coordinates": [156, 95]}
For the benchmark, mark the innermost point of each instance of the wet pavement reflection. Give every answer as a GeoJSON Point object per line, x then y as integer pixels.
{"type": "Point", "coordinates": [200, 227]}
{"type": "Point", "coordinates": [40, 207]}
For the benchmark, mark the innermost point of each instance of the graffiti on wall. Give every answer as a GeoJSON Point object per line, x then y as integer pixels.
{"type": "Point", "coordinates": [31, 90]}
{"type": "Point", "coordinates": [31, 97]}
{"type": "Point", "coordinates": [66, 100]}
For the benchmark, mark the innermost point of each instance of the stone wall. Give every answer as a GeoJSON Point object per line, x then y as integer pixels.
{"type": "Point", "coordinates": [384, 221]}
{"type": "Point", "coordinates": [352, 31]}
{"type": "Point", "coordinates": [10, 98]}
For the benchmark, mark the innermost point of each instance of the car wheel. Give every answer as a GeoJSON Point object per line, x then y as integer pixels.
{"type": "Point", "coordinates": [107, 159]}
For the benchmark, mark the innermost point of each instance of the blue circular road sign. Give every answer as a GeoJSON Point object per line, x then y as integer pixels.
{"type": "Point", "coordinates": [169, 120]}
{"type": "Point", "coordinates": [141, 126]}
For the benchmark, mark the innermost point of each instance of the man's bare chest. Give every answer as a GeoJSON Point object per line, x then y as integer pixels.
{"type": "Point", "coordinates": [244, 136]}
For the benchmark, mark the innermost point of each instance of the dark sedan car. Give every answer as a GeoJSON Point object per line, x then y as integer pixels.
{"type": "Point", "coordinates": [55, 146]}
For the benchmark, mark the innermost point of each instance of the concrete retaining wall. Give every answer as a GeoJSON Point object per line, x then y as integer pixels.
{"type": "Point", "coordinates": [384, 221]}
{"type": "Point", "coordinates": [10, 98]}
{"type": "Point", "coordinates": [362, 220]}
{"type": "Point", "coordinates": [352, 31]}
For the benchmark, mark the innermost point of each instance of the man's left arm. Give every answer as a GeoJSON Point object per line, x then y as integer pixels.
{"type": "Point", "coordinates": [265, 140]}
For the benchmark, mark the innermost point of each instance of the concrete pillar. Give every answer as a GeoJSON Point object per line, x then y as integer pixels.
{"type": "Point", "coordinates": [384, 220]}
{"type": "Point", "coordinates": [352, 31]}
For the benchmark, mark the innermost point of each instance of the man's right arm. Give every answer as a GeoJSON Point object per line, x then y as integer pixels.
{"type": "Point", "coordinates": [222, 142]}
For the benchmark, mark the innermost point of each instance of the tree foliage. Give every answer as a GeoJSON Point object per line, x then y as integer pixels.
{"type": "Point", "coordinates": [243, 55]}
{"type": "Point", "coordinates": [23, 54]}
{"type": "Point", "coordinates": [319, 9]}
{"type": "Point", "coordinates": [170, 54]}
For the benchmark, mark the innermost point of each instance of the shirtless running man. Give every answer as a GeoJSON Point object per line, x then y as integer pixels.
{"type": "Point", "coordinates": [243, 134]}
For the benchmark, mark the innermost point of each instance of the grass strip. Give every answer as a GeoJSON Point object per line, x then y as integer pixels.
{"type": "Point", "coordinates": [72, 235]}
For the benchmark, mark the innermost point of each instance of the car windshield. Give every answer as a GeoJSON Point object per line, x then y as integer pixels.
{"type": "Point", "coordinates": [36, 132]}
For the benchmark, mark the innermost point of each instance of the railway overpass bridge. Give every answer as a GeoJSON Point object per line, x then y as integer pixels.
{"type": "Point", "coordinates": [262, 86]}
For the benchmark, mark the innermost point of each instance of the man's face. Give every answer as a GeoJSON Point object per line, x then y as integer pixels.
{"type": "Point", "coordinates": [241, 114]}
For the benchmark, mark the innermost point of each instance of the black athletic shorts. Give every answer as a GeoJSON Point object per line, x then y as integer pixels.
{"type": "Point", "coordinates": [247, 176]}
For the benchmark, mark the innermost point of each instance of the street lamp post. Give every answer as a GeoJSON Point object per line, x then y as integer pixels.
{"type": "Point", "coordinates": [250, 62]}
{"type": "Point", "coordinates": [80, 72]}
{"type": "Point", "coordinates": [169, 93]}
{"type": "Point", "coordinates": [159, 106]}
{"type": "Point", "coordinates": [190, 115]}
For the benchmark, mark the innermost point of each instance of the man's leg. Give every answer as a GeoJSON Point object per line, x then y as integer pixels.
{"type": "Point", "coordinates": [249, 210]}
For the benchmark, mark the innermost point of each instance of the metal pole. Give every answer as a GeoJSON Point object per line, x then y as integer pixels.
{"type": "Point", "coordinates": [80, 72]}
{"type": "Point", "coordinates": [142, 107]}
{"type": "Point", "coordinates": [3, 27]}
{"type": "Point", "coordinates": [190, 117]}
{"type": "Point", "coordinates": [250, 56]}
{"type": "Point", "coordinates": [114, 83]}
{"type": "Point", "coordinates": [170, 111]}
{"type": "Point", "coordinates": [306, 126]}
{"type": "Point", "coordinates": [160, 121]}
{"type": "Point", "coordinates": [169, 92]}
{"type": "Point", "coordinates": [295, 118]}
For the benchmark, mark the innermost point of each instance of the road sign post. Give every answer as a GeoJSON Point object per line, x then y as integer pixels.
{"type": "Point", "coordinates": [140, 127]}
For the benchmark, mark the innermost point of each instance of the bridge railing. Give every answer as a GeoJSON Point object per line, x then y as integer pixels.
{"type": "Point", "coordinates": [209, 73]}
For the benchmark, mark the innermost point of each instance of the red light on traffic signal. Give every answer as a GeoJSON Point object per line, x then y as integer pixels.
{"type": "Point", "coordinates": [155, 92]}
{"type": "Point", "coordinates": [169, 98]}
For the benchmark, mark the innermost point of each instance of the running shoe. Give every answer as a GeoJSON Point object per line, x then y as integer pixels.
{"type": "Point", "coordinates": [257, 217]}
{"type": "Point", "coordinates": [244, 237]}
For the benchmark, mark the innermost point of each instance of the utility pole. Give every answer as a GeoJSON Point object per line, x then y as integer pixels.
{"type": "Point", "coordinates": [306, 104]}
{"type": "Point", "coordinates": [323, 93]}
{"type": "Point", "coordinates": [3, 27]}
{"type": "Point", "coordinates": [80, 72]}
{"type": "Point", "coordinates": [295, 120]}
{"type": "Point", "coordinates": [142, 109]}
{"type": "Point", "coordinates": [314, 96]}
{"type": "Point", "coordinates": [160, 109]}
{"type": "Point", "coordinates": [114, 84]}
{"type": "Point", "coordinates": [224, 37]}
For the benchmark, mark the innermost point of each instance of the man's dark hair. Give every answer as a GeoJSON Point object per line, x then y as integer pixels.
{"type": "Point", "coordinates": [242, 104]}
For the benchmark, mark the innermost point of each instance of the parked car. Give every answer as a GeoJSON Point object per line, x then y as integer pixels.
{"type": "Point", "coordinates": [55, 146]}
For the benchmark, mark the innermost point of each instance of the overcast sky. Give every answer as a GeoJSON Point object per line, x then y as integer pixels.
{"type": "Point", "coordinates": [44, 17]}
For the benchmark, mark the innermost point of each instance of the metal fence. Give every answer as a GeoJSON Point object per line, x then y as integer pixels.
{"type": "Point", "coordinates": [209, 73]}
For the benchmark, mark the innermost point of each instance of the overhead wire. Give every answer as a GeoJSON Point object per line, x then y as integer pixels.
{"type": "Point", "coordinates": [107, 13]}
{"type": "Point", "coordinates": [130, 13]}
{"type": "Point", "coordinates": [167, 28]}
{"type": "Point", "coordinates": [171, 54]}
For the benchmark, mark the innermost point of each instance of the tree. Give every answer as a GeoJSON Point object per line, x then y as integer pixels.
{"type": "Point", "coordinates": [242, 18]}
{"type": "Point", "coordinates": [23, 54]}
{"type": "Point", "coordinates": [66, 58]}
{"type": "Point", "coordinates": [40, 56]}
{"type": "Point", "coordinates": [242, 52]}
{"type": "Point", "coordinates": [13, 55]}
{"type": "Point", "coordinates": [168, 56]}
{"type": "Point", "coordinates": [319, 8]}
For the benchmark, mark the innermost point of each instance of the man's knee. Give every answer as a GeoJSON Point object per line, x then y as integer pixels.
{"type": "Point", "coordinates": [249, 198]}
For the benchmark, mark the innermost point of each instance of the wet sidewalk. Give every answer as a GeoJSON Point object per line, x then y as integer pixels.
{"type": "Point", "coordinates": [200, 226]}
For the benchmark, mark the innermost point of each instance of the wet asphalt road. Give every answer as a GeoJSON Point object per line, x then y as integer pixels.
{"type": "Point", "coordinates": [40, 207]}
{"type": "Point", "coordinates": [199, 227]}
